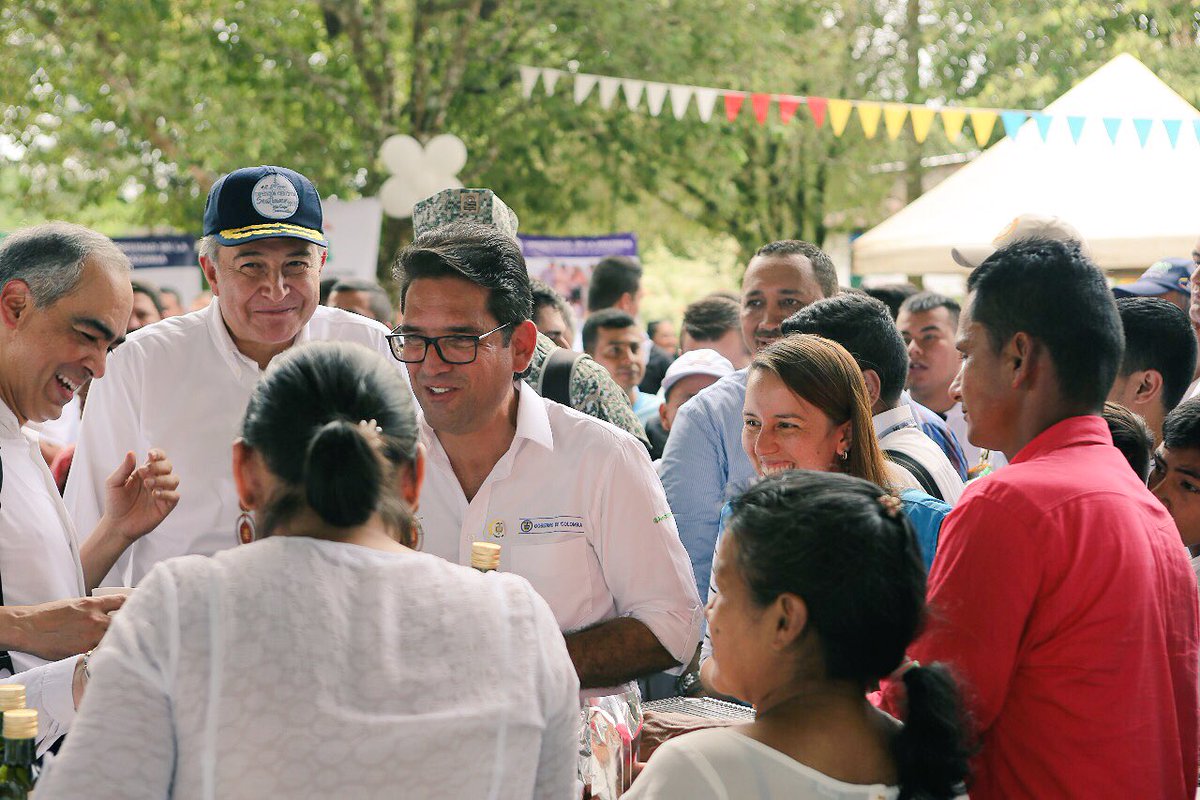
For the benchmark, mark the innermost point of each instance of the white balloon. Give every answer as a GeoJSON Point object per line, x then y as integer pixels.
{"type": "Point", "coordinates": [398, 197]}
{"type": "Point", "coordinates": [401, 152]}
{"type": "Point", "coordinates": [446, 153]}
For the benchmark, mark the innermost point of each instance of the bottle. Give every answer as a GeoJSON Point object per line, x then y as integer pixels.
{"type": "Point", "coordinates": [12, 697]}
{"type": "Point", "coordinates": [18, 774]}
{"type": "Point", "coordinates": [485, 556]}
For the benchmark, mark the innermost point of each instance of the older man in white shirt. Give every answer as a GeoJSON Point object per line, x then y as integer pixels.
{"type": "Point", "coordinates": [574, 502]}
{"type": "Point", "coordinates": [65, 297]}
{"type": "Point", "coordinates": [183, 383]}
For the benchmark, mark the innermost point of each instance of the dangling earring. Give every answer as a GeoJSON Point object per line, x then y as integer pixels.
{"type": "Point", "coordinates": [844, 455]}
{"type": "Point", "coordinates": [245, 526]}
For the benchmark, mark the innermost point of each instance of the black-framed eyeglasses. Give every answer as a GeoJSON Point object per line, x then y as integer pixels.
{"type": "Point", "coordinates": [457, 348]}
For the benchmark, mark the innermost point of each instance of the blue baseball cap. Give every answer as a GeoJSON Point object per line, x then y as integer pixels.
{"type": "Point", "coordinates": [1170, 274]}
{"type": "Point", "coordinates": [261, 203]}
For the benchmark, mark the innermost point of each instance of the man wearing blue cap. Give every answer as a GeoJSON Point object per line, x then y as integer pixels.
{"type": "Point", "coordinates": [1168, 279]}
{"type": "Point", "coordinates": [183, 383]}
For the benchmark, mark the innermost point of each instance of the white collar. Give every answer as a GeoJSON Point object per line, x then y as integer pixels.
{"type": "Point", "coordinates": [236, 359]}
{"type": "Point", "coordinates": [533, 421]}
{"type": "Point", "coordinates": [9, 424]}
{"type": "Point", "coordinates": [899, 417]}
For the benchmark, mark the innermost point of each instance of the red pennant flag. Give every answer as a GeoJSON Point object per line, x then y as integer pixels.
{"type": "Point", "coordinates": [733, 104]}
{"type": "Point", "coordinates": [761, 103]}
{"type": "Point", "coordinates": [817, 106]}
{"type": "Point", "coordinates": [787, 108]}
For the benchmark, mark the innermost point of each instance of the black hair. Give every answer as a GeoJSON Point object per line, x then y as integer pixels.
{"type": "Point", "coordinates": [310, 419]}
{"type": "Point", "coordinates": [611, 278]}
{"type": "Point", "coordinates": [326, 288]}
{"type": "Point", "coordinates": [476, 253]}
{"type": "Point", "coordinates": [891, 295]}
{"type": "Point", "coordinates": [1181, 428]}
{"type": "Point", "coordinates": [544, 296]}
{"type": "Point", "coordinates": [1051, 291]}
{"type": "Point", "coordinates": [1158, 336]}
{"type": "Point", "coordinates": [652, 326]}
{"type": "Point", "coordinates": [168, 290]}
{"type": "Point", "coordinates": [827, 538]}
{"type": "Point", "coordinates": [151, 291]}
{"type": "Point", "coordinates": [864, 327]}
{"type": "Point", "coordinates": [607, 318]}
{"type": "Point", "coordinates": [710, 318]}
{"type": "Point", "coordinates": [378, 300]}
{"type": "Point", "coordinates": [1132, 437]}
{"type": "Point", "coordinates": [922, 302]}
{"type": "Point", "coordinates": [822, 264]}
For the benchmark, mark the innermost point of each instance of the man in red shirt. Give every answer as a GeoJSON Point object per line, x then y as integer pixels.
{"type": "Point", "coordinates": [1061, 595]}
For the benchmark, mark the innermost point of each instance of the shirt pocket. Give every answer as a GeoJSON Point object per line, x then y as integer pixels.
{"type": "Point", "coordinates": [557, 566]}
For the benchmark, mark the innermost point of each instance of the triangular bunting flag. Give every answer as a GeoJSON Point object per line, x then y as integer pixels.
{"type": "Point", "coordinates": [656, 95]}
{"type": "Point", "coordinates": [894, 115]}
{"type": "Point", "coordinates": [817, 107]}
{"type": "Point", "coordinates": [1142, 126]}
{"type": "Point", "coordinates": [529, 76]}
{"type": "Point", "coordinates": [839, 115]}
{"type": "Point", "coordinates": [608, 91]}
{"type": "Point", "coordinates": [952, 121]}
{"type": "Point", "coordinates": [549, 78]}
{"type": "Point", "coordinates": [633, 92]}
{"type": "Point", "coordinates": [922, 121]}
{"type": "Point", "coordinates": [1076, 126]}
{"type": "Point", "coordinates": [761, 103]}
{"type": "Point", "coordinates": [787, 107]}
{"type": "Point", "coordinates": [680, 97]}
{"type": "Point", "coordinates": [1196, 127]}
{"type": "Point", "coordinates": [868, 115]}
{"type": "Point", "coordinates": [733, 104]}
{"type": "Point", "coordinates": [1013, 120]}
{"type": "Point", "coordinates": [1172, 128]}
{"type": "Point", "coordinates": [1043, 123]}
{"type": "Point", "coordinates": [982, 122]}
{"type": "Point", "coordinates": [1112, 125]}
{"type": "Point", "coordinates": [706, 100]}
{"type": "Point", "coordinates": [583, 86]}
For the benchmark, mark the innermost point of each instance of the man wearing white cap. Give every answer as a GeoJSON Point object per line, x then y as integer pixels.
{"type": "Point", "coordinates": [687, 376]}
{"type": "Point", "coordinates": [183, 383]}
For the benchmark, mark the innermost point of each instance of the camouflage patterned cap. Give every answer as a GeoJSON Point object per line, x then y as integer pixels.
{"type": "Point", "coordinates": [473, 205]}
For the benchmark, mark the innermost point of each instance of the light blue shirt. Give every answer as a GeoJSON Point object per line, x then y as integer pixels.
{"type": "Point", "coordinates": [704, 465]}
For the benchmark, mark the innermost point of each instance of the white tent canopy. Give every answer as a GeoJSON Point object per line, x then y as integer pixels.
{"type": "Point", "coordinates": [1133, 205]}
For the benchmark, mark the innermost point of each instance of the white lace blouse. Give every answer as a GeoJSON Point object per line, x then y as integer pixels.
{"type": "Point", "coordinates": [295, 667]}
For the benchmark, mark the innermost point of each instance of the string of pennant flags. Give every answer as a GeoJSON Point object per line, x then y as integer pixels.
{"type": "Point", "coordinates": [836, 111]}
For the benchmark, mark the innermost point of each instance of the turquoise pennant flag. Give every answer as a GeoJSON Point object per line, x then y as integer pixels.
{"type": "Point", "coordinates": [1013, 120]}
{"type": "Point", "coordinates": [1112, 125]}
{"type": "Point", "coordinates": [1043, 123]}
{"type": "Point", "coordinates": [1172, 128]}
{"type": "Point", "coordinates": [1076, 125]}
{"type": "Point", "coordinates": [1142, 126]}
{"type": "Point", "coordinates": [1196, 125]}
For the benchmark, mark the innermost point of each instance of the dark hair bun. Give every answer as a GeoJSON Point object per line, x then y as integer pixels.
{"type": "Point", "coordinates": [342, 474]}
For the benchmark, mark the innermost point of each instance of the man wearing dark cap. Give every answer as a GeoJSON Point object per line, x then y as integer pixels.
{"type": "Point", "coordinates": [183, 383]}
{"type": "Point", "coordinates": [1169, 279]}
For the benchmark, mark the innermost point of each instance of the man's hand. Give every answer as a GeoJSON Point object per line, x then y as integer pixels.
{"type": "Point", "coordinates": [59, 629]}
{"type": "Point", "coordinates": [137, 500]}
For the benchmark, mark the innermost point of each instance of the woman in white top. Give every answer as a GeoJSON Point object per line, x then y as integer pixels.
{"type": "Point", "coordinates": [822, 589]}
{"type": "Point", "coordinates": [330, 659]}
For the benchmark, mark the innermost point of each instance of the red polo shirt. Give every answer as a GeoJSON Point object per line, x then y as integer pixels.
{"type": "Point", "coordinates": [1063, 598]}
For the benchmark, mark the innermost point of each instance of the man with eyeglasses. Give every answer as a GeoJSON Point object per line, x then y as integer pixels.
{"type": "Point", "coordinates": [183, 383]}
{"type": "Point", "coordinates": [573, 502]}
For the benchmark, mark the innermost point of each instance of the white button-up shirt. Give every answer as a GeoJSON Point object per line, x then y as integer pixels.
{"type": "Point", "coordinates": [897, 430]}
{"type": "Point", "coordinates": [181, 385]}
{"type": "Point", "coordinates": [579, 512]}
{"type": "Point", "coordinates": [39, 563]}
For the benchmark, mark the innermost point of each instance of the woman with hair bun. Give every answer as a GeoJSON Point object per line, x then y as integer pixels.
{"type": "Point", "coordinates": [822, 590]}
{"type": "Point", "coordinates": [329, 658]}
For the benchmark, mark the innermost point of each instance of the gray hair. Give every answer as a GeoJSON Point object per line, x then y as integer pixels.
{"type": "Point", "coordinates": [377, 297]}
{"type": "Point", "coordinates": [50, 258]}
{"type": "Point", "coordinates": [208, 247]}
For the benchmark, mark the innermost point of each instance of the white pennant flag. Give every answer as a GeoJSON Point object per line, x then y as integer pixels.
{"type": "Point", "coordinates": [633, 92]}
{"type": "Point", "coordinates": [608, 91]}
{"type": "Point", "coordinates": [656, 94]}
{"type": "Point", "coordinates": [549, 78]}
{"type": "Point", "coordinates": [583, 86]}
{"type": "Point", "coordinates": [680, 97]}
{"type": "Point", "coordinates": [529, 76]}
{"type": "Point", "coordinates": [705, 100]}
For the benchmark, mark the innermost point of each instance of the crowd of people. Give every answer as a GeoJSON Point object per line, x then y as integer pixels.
{"type": "Point", "coordinates": [940, 545]}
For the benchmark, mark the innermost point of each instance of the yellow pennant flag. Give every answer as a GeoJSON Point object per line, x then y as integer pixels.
{"type": "Point", "coordinates": [922, 120]}
{"type": "Point", "coordinates": [983, 122]}
{"type": "Point", "coordinates": [952, 121]}
{"type": "Point", "coordinates": [893, 118]}
{"type": "Point", "coordinates": [839, 115]}
{"type": "Point", "coordinates": [868, 115]}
